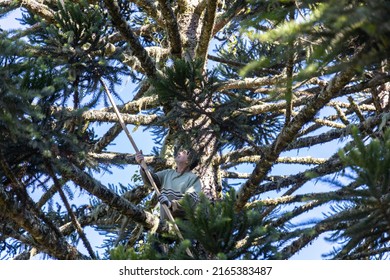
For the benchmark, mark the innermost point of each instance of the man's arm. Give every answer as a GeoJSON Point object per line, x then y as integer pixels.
{"type": "Point", "coordinates": [147, 181]}
{"type": "Point", "coordinates": [139, 158]}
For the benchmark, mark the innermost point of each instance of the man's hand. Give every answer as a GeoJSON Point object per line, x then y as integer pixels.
{"type": "Point", "coordinates": [139, 157]}
{"type": "Point", "coordinates": [163, 199]}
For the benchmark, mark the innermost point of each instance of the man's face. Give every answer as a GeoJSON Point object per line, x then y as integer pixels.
{"type": "Point", "coordinates": [182, 156]}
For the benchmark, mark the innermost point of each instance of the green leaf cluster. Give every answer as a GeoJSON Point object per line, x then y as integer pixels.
{"type": "Point", "coordinates": [77, 44]}
{"type": "Point", "coordinates": [325, 38]}
{"type": "Point", "coordinates": [29, 131]}
{"type": "Point", "coordinates": [225, 233]}
{"type": "Point", "coordinates": [182, 81]}
{"type": "Point", "coordinates": [365, 217]}
{"type": "Point", "coordinates": [211, 230]}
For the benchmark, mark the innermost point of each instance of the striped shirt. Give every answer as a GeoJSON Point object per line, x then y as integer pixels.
{"type": "Point", "coordinates": [176, 185]}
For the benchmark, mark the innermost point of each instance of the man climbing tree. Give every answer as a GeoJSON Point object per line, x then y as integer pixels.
{"type": "Point", "coordinates": [176, 183]}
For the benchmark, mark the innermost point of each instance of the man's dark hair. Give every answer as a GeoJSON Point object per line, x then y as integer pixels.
{"type": "Point", "coordinates": [193, 158]}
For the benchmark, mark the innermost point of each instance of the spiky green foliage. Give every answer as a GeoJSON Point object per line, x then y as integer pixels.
{"type": "Point", "coordinates": [186, 91]}
{"type": "Point", "coordinates": [317, 35]}
{"type": "Point", "coordinates": [227, 234]}
{"type": "Point", "coordinates": [180, 81]}
{"type": "Point", "coordinates": [77, 44]}
{"type": "Point", "coordinates": [365, 217]}
{"type": "Point", "coordinates": [211, 230]}
{"type": "Point", "coordinates": [32, 137]}
{"type": "Point", "coordinates": [30, 134]}
{"type": "Point", "coordinates": [155, 248]}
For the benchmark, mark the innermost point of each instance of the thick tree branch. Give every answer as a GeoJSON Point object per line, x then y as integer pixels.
{"type": "Point", "coordinates": [123, 158]}
{"type": "Point", "coordinates": [317, 197]}
{"type": "Point", "coordinates": [332, 165]}
{"type": "Point", "coordinates": [207, 28]}
{"type": "Point", "coordinates": [115, 201]}
{"type": "Point", "coordinates": [104, 116]}
{"type": "Point", "coordinates": [108, 137]}
{"type": "Point", "coordinates": [138, 50]}
{"type": "Point", "coordinates": [224, 18]}
{"type": "Point", "coordinates": [131, 60]}
{"type": "Point", "coordinates": [308, 235]}
{"type": "Point", "coordinates": [171, 27]}
{"type": "Point", "coordinates": [309, 141]}
{"type": "Point", "coordinates": [248, 83]}
{"type": "Point", "coordinates": [268, 107]}
{"type": "Point", "coordinates": [36, 7]}
{"type": "Point", "coordinates": [74, 219]}
{"type": "Point", "coordinates": [333, 134]}
{"type": "Point", "coordinates": [151, 9]}
{"type": "Point", "coordinates": [182, 5]}
{"type": "Point", "coordinates": [252, 83]}
{"type": "Point", "coordinates": [289, 133]}
{"type": "Point", "coordinates": [99, 116]}
{"type": "Point", "coordinates": [46, 240]}
{"type": "Point", "coordinates": [130, 107]}
{"type": "Point", "coordinates": [308, 160]}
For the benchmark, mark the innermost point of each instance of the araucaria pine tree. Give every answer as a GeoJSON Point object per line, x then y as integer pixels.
{"type": "Point", "coordinates": [286, 102]}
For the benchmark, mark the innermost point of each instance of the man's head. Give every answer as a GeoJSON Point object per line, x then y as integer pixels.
{"type": "Point", "coordinates": [189, 156]}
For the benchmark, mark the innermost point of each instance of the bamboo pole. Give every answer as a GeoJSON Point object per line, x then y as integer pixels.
{"type": "Point", "coordinates": [143, 164]}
